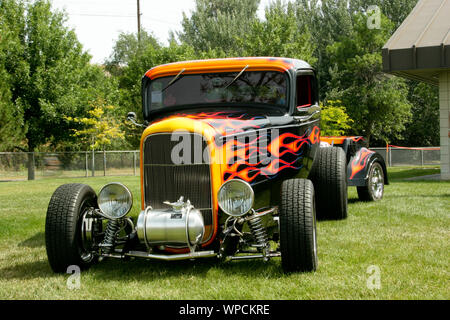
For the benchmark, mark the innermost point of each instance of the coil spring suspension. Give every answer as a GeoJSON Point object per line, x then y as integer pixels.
{"type": "Point", "coordinates": [110, 235]}
{"type": "Point", "coordinates": [259, 232]}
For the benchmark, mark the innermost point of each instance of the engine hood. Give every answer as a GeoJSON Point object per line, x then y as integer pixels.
{"type": "Point", "coordinates": [224, 123]}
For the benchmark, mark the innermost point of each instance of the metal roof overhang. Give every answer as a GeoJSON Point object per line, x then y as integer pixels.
{"type": "Point", "coordinates": [420, 48]}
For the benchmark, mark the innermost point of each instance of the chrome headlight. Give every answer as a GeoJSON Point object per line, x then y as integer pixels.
{"type": "Point", "coordinates": [236, 197]}
{"type": "Point", "coordinates": [115, 200]}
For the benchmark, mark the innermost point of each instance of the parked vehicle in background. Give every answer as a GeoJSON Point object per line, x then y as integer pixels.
{"type": "Point", "coordinates": [366, 169]}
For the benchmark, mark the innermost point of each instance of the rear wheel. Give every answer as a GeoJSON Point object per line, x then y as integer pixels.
{"type": "Point", "coordinates": [298, 241]}
{"type": "Point", "coordinates": [329, 176]}
{"type": "Point", "coordinates": [64, 224]}
{"type": "Point", "coordinates": [375, 184]}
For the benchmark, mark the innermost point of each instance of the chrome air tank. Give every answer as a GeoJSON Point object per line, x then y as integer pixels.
{"type": "Point", "coordinates": [182, 225]}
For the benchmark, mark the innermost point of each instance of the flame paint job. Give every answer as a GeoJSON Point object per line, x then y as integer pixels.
{"type": "Point", "coordinates": [228, 122]}
{"type": "Point", "coordinates": [285, 150]}
{"type": "Point", "coordinates": [360, 161]}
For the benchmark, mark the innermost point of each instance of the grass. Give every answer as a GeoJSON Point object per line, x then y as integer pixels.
{"type": "Point", "coordinates": [22, 175]}
{"type": "Point", "coordinates": [406, 235]}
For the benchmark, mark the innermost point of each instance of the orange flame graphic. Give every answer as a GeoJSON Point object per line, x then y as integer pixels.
{"type": "Point", "coordinates": [360, 162]}
{"type": "Point", "coordinates": [248, 161]}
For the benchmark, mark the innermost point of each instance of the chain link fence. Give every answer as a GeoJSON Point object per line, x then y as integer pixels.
{"type": "Point", "coordinates": [39, 165]}
{"type": "Point", "coordinates": [400, 156]}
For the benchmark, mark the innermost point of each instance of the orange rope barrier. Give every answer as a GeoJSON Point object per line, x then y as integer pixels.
{"type": "Point", "coordinates": [410, 148]}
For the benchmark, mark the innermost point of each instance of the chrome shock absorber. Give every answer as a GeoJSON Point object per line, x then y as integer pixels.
{"type": "Point", "coordinates": [260, 234]}
{"type": "Point", "coordinates": [110, 234]}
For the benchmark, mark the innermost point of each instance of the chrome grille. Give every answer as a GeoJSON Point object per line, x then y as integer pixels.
{"type": "Point", "coordinates": [165, 180]}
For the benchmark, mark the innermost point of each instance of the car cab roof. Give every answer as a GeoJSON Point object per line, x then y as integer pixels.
{"type": "Point", "coordinates": [227, 65]}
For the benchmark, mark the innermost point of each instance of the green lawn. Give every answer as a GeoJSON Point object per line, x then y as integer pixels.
{"type": "Point", "coordinates": [406, 235]}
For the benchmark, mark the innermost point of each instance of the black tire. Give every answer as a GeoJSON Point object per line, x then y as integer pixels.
{"type": "Point", "coordinates": [329, 176]}
{"type": "Point", "coordinates": [375, 184]}
{"type": "Point", "coordinates": [63, 227]}
{"type": "Point", "coordinates": [298, 242]}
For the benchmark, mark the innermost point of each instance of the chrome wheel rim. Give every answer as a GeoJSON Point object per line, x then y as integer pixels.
{"type": "Point", "coordinates": [86, 236]}
{"type": "Point", "coordinates": [377, 182]}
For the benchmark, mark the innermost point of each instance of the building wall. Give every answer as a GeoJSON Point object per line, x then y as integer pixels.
{"type": "Point", "coordinates": [444, 120]}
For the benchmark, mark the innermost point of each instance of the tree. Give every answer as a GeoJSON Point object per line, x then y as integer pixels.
{"type": "Point", "coordinates": [423, 130]}
{"type": "Point", "coordinates": [127, 47]}
{"type": "Point", "coordinates": [100, 129]}
{"type": "Point", "coordinates": [279, 35]}
{"type": "Point", "coordinates": [217, 24]}
{"type": "Point", "coordinates": [48, 72]}
{"type": "Point", "coordinates": [328, 21]}
{"type": "Point", "coordinates": [11, 119]}
{"type": "Point", "coordinates": [378, 103]}
{"type": "Point", "coordinates": [334, 119]}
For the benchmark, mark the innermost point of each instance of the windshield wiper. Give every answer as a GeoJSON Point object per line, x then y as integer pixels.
{"type": "Point", "coordinates": [237, 77]}
{"type": "Point", "coordinates": [174, 79]}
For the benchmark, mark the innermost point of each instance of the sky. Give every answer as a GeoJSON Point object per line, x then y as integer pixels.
{"type": "Point", "coordinates": [98, 23]}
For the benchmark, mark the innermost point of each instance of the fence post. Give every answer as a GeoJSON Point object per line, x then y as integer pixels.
{"type": "Point", "coordinates": [86, 164]}
{"type": "Point", "coordinates": [390, 157]}
{"type": "Point", "coordinates": [134, 162]}
{"type": "Point", "coordinates": [31, 166]}
{"type": "Point", "coordinates": [387, 154]}
{"type": "Point", "coordinates": [421, 154]}
{"type": "Point", "coordinates": [93, 163]}
{"type": "Point", "coordinates": [104, 163]}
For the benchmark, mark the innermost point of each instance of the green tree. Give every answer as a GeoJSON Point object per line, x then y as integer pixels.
{"type": "Point", "coordinates": [279, 35]}
{"type": "Point", "coordinates": [126, 48]}
{"type": "Point", "coordinates": [217, 24]}
{"type": "Point", "coordinates": [48, 72]}
{"type": "Point", "coordinates": [334, 119]}
{"type": "Point", "coordinates": [11, 119]}
{"type": "Point", "coordinates": [328, 21]}
{"type": "Point", "coordinates": [378, 103]}
{"type": "Point", "coordinates": [423, 130]}
{"type": "Point", "coordinates": [99, 128]}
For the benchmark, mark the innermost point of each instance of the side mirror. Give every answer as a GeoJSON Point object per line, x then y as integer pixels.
{"type": "Point", "coordinates": [131, 116]}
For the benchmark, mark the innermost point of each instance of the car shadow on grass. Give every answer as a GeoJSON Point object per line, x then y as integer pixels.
{"type": "Point", "coordinates": [147, 270]}
{"type": "Point", "coordinates": [27, 271]}
{"type": "Point", "coordinates": [36, 241]}
{"type": "Point", "coordinates": [354, 200]}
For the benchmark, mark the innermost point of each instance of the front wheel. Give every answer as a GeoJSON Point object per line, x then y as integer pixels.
{"type": "Point", "coordinates": [63, 227]}
{"type": "Point", "coordinates": [375, 184]}
{"type": "Point", "coordinates": [298, 241]}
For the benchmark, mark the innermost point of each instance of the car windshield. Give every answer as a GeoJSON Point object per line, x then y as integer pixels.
{"type": "Point", "coordinates": [245, 88]}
